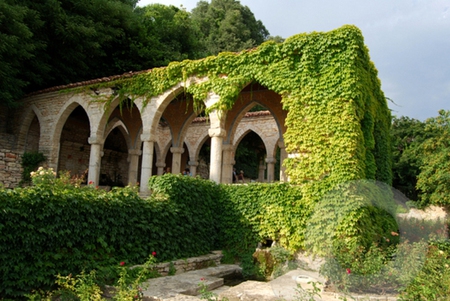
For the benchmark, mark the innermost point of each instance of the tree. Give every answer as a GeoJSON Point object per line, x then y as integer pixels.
{"type": "Point", "coordinates": [407, 135]}
{"type": "Point", "coordinates": [226, 25]}
{"type": "Point", "coordinates": [433, 181]}
{"type": "Point", "coordinates": [167, 34]}
{"type": "Point", "coordinates": [16, 49]}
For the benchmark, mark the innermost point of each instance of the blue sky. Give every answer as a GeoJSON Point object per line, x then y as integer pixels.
{"type": "Point", "coordinates": [408, 40]}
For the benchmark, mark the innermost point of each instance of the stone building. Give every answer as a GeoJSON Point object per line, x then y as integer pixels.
{"type": "Point", "coordinates": [111, 145]}
{"type": "Point", "coordinates": [124, 129]}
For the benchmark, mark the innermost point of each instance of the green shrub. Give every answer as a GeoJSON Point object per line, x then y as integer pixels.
{"type": "Point", "coordinates": [47, 230]}
{"type": "Point", "coordinates": [433, 280]}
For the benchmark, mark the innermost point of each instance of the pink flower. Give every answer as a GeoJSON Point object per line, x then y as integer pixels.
{"type": "Point", "coordinates": [91, 182]}
{"type": "Point", "coordinates": [153, 253]}
{"type": "Point", "coordinates": [348, 271]}
{"type": "Point", "coordinates": [122, 263]}
{"type": "Point", "coordinates": [202, 279]}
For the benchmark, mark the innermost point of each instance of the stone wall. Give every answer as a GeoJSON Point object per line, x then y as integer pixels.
{"type": "Point", "coordinates": [10, 168]}
{"type": "Point", "coordinates": [194, 263]}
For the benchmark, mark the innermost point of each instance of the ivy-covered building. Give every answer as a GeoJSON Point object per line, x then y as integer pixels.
{"type": "Point", "coordinates": [321, 89]}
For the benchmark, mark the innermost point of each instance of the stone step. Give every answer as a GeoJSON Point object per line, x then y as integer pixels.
{"type": "Point", "coordinates": [178, 286]}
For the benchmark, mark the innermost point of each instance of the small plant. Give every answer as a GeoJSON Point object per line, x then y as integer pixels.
{"type": "Point", "coordinates": [308, 294]}
{"type": "Point", "coordinates": [205, 294]}
{"type": "Point", "coordinates": [129, 288]}
{"type": "Point", "coordinates": [172, 269]}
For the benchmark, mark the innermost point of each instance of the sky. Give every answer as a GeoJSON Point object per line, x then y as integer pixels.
{"type": "Point", "coordinates": [408, 41]}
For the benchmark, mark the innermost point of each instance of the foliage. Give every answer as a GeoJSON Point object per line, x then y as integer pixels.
{"type": "Point", "coordinates": [407, 135]}
{"type": "Point", "coordinates": [17, 48]}
{"type": "Point", "coordinates": [258, 212]}
{"type": "Point", "coordinates": [50, 43]}
{"type": "Point", "coordinates": [91, 228]}
{"type": "Point", "coordinates": [337, 120]}
{"type": "Point", "coordinates": [433, 280]}
{"type": "Point", "coordinates": [309, 294]}
{"type": "Point", "coordinates": [169, 35]}
{"type": "Point", "coordinates": [352, 216]}
{"type": "Point", "coordinates": [30, 162]}
{"type": "Point", "coordinates": [86, 287]}
{"type": "Point", "coordinates": [226, 25]}
{"type": "Point", "coordinates": [433, 182]}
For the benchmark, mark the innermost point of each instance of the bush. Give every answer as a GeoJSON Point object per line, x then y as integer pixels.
{"type": "Point", "coordinates": [47, 230]}
{"type": "Point", "coordinates": [433, 280]}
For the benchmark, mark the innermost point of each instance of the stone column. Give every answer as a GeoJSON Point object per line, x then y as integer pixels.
{"type": "Point", "coordinates": [193, 167]}
{"type": "Point", "coordinates": [270, 169]}
{"type": "Point", "coordinates": [95, 160]}
{"type": "Point", "coordinates": [283, 155]}
{"type": "Point", "coordinates": [176, 159]}
{"type": "Point", "coordinates": [262, 169]}
{"type": "Point", "coordinates": [215, 169]}
{"type": "Point", "coordinates": [228, 162]}
{"type": "Point", "coordinates": [147, 161]}
{"type": "Point", "coordinates": [160, 165]}
{"type": "Point", "coordinates": [133, 166]}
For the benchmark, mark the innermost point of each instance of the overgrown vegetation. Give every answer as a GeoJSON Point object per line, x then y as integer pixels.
{"type": "Point", "coordinates": [338, 121]}
{"type": "Point", "coordinates": [91, 229]}
{"type": "Point", "coordinates": [30, 162]}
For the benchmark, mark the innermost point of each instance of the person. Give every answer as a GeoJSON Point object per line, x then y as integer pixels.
{"type": "Point", "coordinates": [241, 177]}
{"type": "Point", "coordinates": [187, 172]}
{"type": "Point", "coordinates": [234, 175]}
{"type": "Point", "coordinates": [167, 170]}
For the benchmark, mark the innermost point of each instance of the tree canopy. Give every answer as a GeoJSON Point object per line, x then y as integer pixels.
{"type": "Point", "coordinates": [55, 42]}
{"type": "Point", "coordinates": [226, 25]}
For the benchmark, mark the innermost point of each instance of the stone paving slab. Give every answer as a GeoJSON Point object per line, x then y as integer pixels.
{"type": "Point", "coordinates": [184, 287]}
{"type": "Point", "coordinates": [169, 287]}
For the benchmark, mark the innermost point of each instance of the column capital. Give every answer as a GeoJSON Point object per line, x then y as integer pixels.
{"type": "Point", "coordinates": [193, 163]}
{"type": "Point", "coordinates": [94, 140]}
{"type": "Point", "coordinates": [281, 144]}
{"type": "Point", "coordinates": [160, 164]}
{"type": "Point", "coordinates": [147, 137]}
{"type": "Point", "coordinates": [227, 147]}
{"type": "Point", "coordinates": [217, 132]}
{"type": "Point", "coordinates": [136, 152]}
{"type": "Point", "coordinates": [271, 160]}
{"type": "Point", "coordinates": [177, 150]}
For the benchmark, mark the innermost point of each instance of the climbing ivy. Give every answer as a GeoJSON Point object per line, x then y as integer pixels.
{"type": "Point", "coordinates": [337, 120]}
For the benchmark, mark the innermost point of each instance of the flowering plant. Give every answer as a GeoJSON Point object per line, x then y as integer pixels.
{"type": "Point", "coordinates": [43, 176]}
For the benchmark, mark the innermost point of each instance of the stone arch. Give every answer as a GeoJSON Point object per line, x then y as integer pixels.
{"type": "Point", "coordinates": [74, 149]}
{"type": "Point", "coordinates": [30, 113]}
{"type": "Point", "coordinates": [60, 121]}
{"type": "Point", "coordinates": [242, 136]}
{"type": "Point", "coordinates": [155, 107]}
{"type": "Point", "coordinates": [98, 129]}
{"type": "Point", "coordinates": [118, 123]}
{"type": "Point", "coordinates": [235, 122]}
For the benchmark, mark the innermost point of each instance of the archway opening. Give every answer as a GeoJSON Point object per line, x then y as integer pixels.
{"type": "Point", "coordinates": [250, 155]}
{"type": "Point", "coordinates": [114, 166]}
{"type": "Point", "coordinates": [74, 147]}
{"type": "Point", "coordinates": [204, 158]}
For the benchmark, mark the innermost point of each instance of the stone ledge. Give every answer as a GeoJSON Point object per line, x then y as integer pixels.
{"type": "Point", "coordinates": [190, 264]}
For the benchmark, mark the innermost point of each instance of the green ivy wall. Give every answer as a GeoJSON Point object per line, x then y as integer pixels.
{"type": "Point", "coordinates": [337, 121]}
